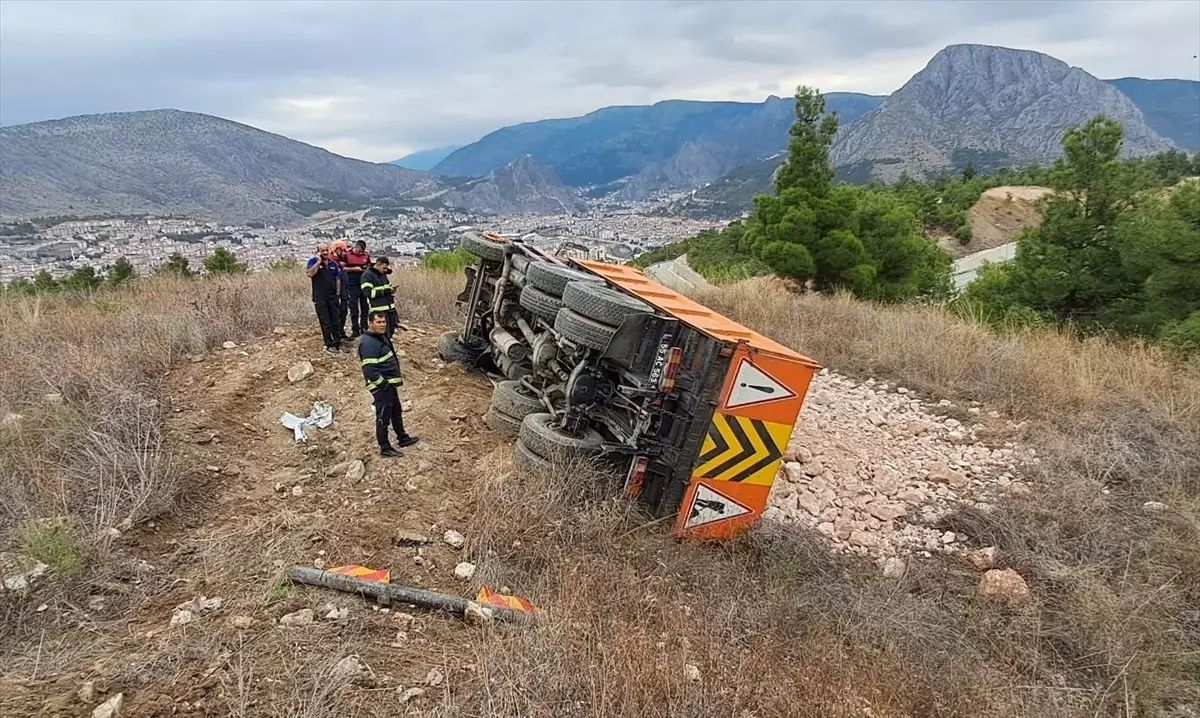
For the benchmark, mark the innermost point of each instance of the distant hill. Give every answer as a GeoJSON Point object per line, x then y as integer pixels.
{"type": "Point", "coordinates": [425, 160]}
{"type": "Point", "coordinates": [641, 149]}
{"type": "Point", "coordinates": [1171, 107]}
{"type": "Point", "coordinates": [521, 186]}
{"type": "Point", "coordinates": [168, 161]}
{"type": "Point", "coordinates": [990, 106]}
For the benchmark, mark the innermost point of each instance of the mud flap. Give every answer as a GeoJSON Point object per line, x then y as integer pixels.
{"type": "Point", "coordinates": [635, 346]}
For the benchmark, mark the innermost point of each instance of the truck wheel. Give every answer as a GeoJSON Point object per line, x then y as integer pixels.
{"type": "Point", "coordinates": [520, 263]}
{"type": "Point", "coordinates": [502, 423]}
{"type": "Point", "coordinates": [452, 349]}
{"type": "Point", "coordinates": [511, 398]}
{"type": "Point", "coordinates": [544, 306]}
{"type": "Point", "coordinates": [553, 278]}
{"type": "Point", "coordinates": [543, 439]}
{"type": "Point", "coordinates": [582, 330]}
{"type": "Point", "coordinates": [482, 247]}
{"type": "Point", "coordinates": [528, 461]}
{"type": "Point", "coordinates": [596, 301]}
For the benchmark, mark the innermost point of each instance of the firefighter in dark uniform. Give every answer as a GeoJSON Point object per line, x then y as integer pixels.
{"type": "Point", "coordinates": [381, 371]}
{"type": "Point", "coordinates": [377, 288]}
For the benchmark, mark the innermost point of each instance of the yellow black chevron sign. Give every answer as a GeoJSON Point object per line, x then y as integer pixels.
{"type": "Point", "coordinates": [742, 449]}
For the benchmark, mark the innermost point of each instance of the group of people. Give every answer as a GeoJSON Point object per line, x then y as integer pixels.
{"type": "Point", "coordinates": [346, 282]}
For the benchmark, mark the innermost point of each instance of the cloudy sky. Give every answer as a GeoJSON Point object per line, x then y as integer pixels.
{"type": "Point", "coordinates": [378, 79]}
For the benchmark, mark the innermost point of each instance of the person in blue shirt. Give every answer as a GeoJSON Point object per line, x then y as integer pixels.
{"type": "Point", "coordinates": [326, 288]}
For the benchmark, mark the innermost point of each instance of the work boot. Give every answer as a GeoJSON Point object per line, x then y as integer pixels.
{"type": "Point", "coordinates": [333, 350]}
{"type": "Point", "coordinates": [390, 453]}
{"type": "Point", "coordinates": [407, 440]}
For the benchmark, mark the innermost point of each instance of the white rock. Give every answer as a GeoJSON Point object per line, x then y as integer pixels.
{"type": "Point", "coordinates": [863, 539]}
{"type": "Point", "coordinates": [182, 617]}
{"type": "Point", "coordinates": [297, 491]}
{"type": "Point", "coordinates": [299, 370]}
{"type": "Point", "coordinates": [875, 418]}
{"type": "Point", "coordinates": [1154, 507]}
{"type": "Point", "coordinates": [822, 398]}
{"type": "Point", "coordinates": [434, 677]}
{"type": "Point", "coordinates": [349, 668]}
{"type": "Point", "coordinates": [809, 501]}
{"type": "Point", "coordinates": [894, 567]}
{"type": "Point", "coordinates": [229, 345]}
{"type": "Point", "coordinates": [814, 468]}
{"type": "Point", "coordinates": [984, 558]}
{"type": "Point", "coordinates": [454, 539]}
{"type": "Point", "coordinates": [948, 537]}
{"type": "Point", "coordinates": [973, 410]}
{"type": "Point", "coordinates": [691, 673]}
{"type": "Point", "coordinates": [24, 580]}
{"type": "Point", "coordinates": [53, 398]}
{"type": "Point", "coordinates": [87, 692]}
{"type": "Point", "coordinates": [885, 512]}
{"type": "Point", "coordinates": [355, 471]}
{"type": "Point", "coordinates": [464, 571]}
{"type": "Point", "coordinates": [478, 615]}
{"type": "Point", "coordinates": [409, 694]}
{"type": "Point", "coordinates": [297, 619]}
{"type": "Point", "coordinates": [110, 708]}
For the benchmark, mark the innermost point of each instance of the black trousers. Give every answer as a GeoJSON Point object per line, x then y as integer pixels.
{"type": "Point", "coordinates": [327, 315]}
{"type": "Point", "coordinates": [358, 308]}
{"type": "Point", "coordinates": [388, 414]}
{"type": "Point", "coordinates": [343, 306]}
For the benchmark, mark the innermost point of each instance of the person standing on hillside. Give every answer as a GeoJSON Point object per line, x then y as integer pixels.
{"type": "Point", "coordinates": [381, 372]}
{"type": "Point", "coordinates": [356, 262]}
{"type": "Point", "coordinates": [377, 288]}
{"type": "Point", "coordinates": [338, 250]}
{"type": "Point", "coordinates": [323, 272]}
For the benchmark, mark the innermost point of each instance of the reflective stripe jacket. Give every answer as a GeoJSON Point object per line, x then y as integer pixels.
{"type": "Point", "coordinates": [378, 291]}
{"type": "Point", "coordinates": [380, 367]}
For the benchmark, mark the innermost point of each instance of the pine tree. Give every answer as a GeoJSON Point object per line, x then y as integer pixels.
{"type": "Point", "coordinates": [222, 261]}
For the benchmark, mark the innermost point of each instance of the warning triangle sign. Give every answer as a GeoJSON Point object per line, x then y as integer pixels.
{"type": "Point", "coordinates": [710, 506]}
{"type": "Point", "coordinates": [752, 385]}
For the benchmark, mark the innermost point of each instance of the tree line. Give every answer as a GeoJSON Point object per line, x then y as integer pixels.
{"type": "Point", "coordinates": [87, 279]}
{"type": "Point", "coordinates": [1118, 248]}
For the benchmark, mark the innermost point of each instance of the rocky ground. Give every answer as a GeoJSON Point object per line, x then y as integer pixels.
{"type": "Point", "coordinates": [873, 468]}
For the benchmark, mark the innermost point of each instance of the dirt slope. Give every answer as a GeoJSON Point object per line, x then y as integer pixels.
{"type": "Point", "coordinates": [997, 218]}
{"type": "Point", "coordinates": [235, 533]}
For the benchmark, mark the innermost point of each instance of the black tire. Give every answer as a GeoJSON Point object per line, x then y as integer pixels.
{"type": "Point", "coordinates": [553, 278]}
{"type": "Point", "coordinates": [526, 460]}
{"type": "Point", "coordinates": [511, 398]}
{"type": "Point", "coordinates": [596, 301]}
{"type": "Point", "coordinates": [502, 423]}
{"type": "Point", "coordinates": [545, 440]}
{"type": "Point", "coordinates": [518, 369]}
{"type": "Point", "coordinates": [544, 306]}
{"type": "Point", "coordinates": [482, 247]}
{"type": "Point", "coordinates": [584, 331]}
{"type": "Point", "coordinates": [451, 349]}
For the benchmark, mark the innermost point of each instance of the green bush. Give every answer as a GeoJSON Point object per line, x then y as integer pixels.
{"type": "Point", "coordinates": [448, 261]}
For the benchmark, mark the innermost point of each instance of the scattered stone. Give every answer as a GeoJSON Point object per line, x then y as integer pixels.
{"type": "Point", "coordinates": [464, 571]}
{"type": "Point", "coordinates": [411, 538]}
{"type": "Point", "coordinates": [1003, 585]}
{"type": "Point", "coordinates": [885, 512]}
{"type": "Point", "coordinates": [279, 330]}
{"type": "Point", "coordinates": [875, 418]}
{"type": "Point", "coordinates": [241, 623]}
{"type": "Point", "coordinates": [952, 423]}
{"type": "Point", "coordinates": [182, 617]}
{"type": "Point", "coordinates": [349, 668]}
{"type": "Point", "coordinates": [941, 473]}
{"type": "Point", "coordinates": [24, 580]}
{"type": "Point", "coordinates": [297, 491]}
{"type": "Point", "coordinates": [810, 502]}
{"type": "Point", "coordinates": [822, 398]}
{"type": "Point", "coordinates": [299, 370]}
{"type": "Point", "coordinates": [1154, 507]}
{"type": "Point", "coordinates": [973, 410]}
{"type": "Point", "coordinates": [53, 399]}
{"type": "Point", "coordinates": [434, 678]}
{"type": "Point", "coordinates": [949, 537]}
{"type": "Point", "coordinates": [355, 471]}
{"type": "Point", "coordinates": [87, 692]}
{"type": "Point", "coordinates": [984, 558]}
{"type": "Point", "coordinates": [478, 615]}
{"type": "Point", "coordinates": [454, 539]}
{"type": "Point", "coordinates": [863, 539]}
{"type": "Point", "coordinates": [229, 345]}
{"type": "Point", "coordinates": [297, 619]}
{"type": "Point", "coordinates": [1019, 489]}
{"type": "Point", "coordinates": [894, 567]}
{"type": "Point", "coordinates": [409, 694]}
{"type": "Point", "coordinates": [110, 708]}
{"type": "Point", "coordinates": [691, 673]}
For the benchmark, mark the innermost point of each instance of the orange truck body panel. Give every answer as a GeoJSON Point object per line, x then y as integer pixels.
{"type": "Point", "coordinates": [755, 415]}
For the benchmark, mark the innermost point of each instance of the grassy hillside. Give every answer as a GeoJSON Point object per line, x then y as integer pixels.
{"type": "Point", "coordinates": [775, 623]}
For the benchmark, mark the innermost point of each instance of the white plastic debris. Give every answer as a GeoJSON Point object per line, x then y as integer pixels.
{"type": "Point", "coordinates": [320, 417]}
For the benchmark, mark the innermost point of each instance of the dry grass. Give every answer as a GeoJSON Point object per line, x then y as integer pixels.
{"type": "Point", "coordinates": [78, 464]}
{"type": "Point", "coordinates": [775, 625]}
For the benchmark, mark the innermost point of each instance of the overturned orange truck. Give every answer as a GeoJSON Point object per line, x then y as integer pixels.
{"type": "Point", "coordinates": [598, 362]}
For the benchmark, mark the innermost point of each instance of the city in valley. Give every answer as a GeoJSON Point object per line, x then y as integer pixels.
{"type": "Point", "coordinates": [60, 245]}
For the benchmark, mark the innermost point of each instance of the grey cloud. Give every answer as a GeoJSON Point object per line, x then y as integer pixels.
{"type": "Point", "coordinates": [375, 78]}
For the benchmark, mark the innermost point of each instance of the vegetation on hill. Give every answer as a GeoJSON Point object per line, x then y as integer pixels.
{"type": "Point", "coordinates": [1109, 254]}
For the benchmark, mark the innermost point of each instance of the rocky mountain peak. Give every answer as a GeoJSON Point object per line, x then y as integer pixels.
{"type": "Point", "coordinates": [523, 185]}
{"type": "Point", "coordinates": [991, 106]}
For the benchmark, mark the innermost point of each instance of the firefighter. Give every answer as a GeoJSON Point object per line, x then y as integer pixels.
{"type": "Point", "coordinates": [377, 288]}
{"type": "Point", "coordinates": [381, 371]}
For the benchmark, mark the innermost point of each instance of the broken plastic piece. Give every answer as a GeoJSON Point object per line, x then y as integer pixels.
{"type": "Point", "coordinates": [320, 417]}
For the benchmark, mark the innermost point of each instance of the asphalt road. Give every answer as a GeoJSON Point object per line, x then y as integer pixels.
{"type": "Point", "coordinates": [967, 268]}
